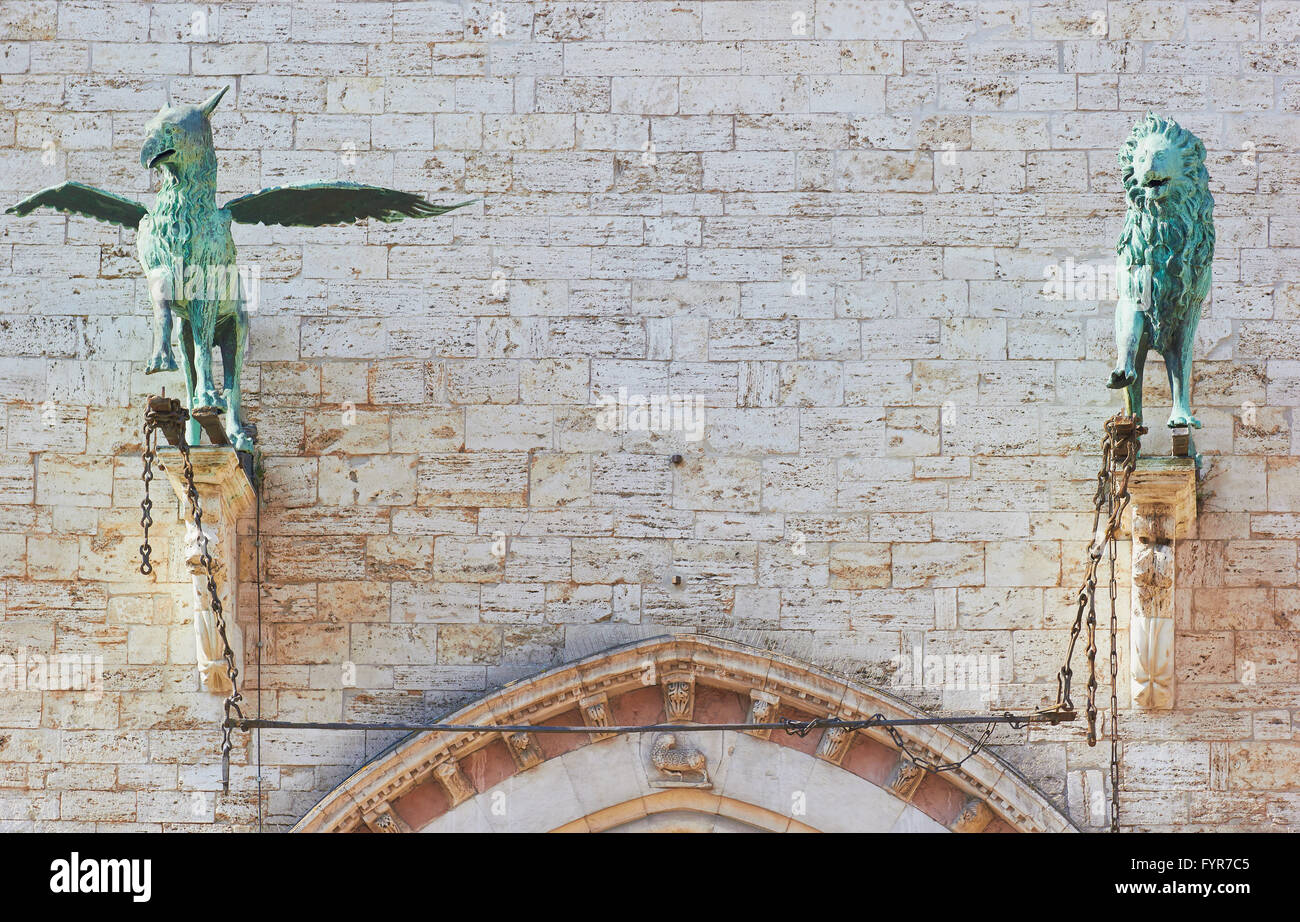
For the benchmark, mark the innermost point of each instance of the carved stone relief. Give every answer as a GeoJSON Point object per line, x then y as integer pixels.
{"type": "Point", "coordinates": [1164, 504]}
{"type": "Point", "coordinates": [975, 816]}
{"type": "Point", "coordinates": [524, 749]}
{"type": "Point", "coordinates": [679, 696]}
{"type": "Point", "coordinates": [679, 764]}
{"type": "Point", "coordinates": [595, 713]}
{"type": "Point", "coordinates": [906, 778]}
{"type": "Point", "coordinates": [763, 707]}
{"type": "Point", "coordinates": [385, 820]}
{"type": "Point", "coordinates": [453, 781]}
{"type": "Point", "coordinates": [834, 744]}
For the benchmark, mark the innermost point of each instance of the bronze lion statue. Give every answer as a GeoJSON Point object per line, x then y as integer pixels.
{"type": "Point", "coordinates": [1164, 259]}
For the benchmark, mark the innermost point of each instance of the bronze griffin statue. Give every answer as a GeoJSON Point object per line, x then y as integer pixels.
{"type": "Point", "coordinates": [187, 252]}
{"type": "Point", "coordinates": [1165, 252]}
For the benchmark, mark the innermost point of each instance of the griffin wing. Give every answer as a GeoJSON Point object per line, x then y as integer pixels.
{"type": "Point", "coordinates": [78, 198]}
{"type": "Point", "coordinates": [322, 203]}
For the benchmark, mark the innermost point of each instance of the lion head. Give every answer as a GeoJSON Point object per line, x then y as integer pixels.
{"type": "Point", "coordinates": [1169, 229]}
{"type": "Point", "coordinates": [1163, 164]}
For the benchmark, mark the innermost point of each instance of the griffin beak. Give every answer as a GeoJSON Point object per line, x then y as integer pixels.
{"type": "Point", "coordinates": [160, 158]}
{"type": "Point", "coordinates": [155, 152]}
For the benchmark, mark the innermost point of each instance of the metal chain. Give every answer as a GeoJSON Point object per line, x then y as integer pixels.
{"type": "Point", "coordinates": [149, 453]}
{"type": "Point", "coordinates": [1118, 499]}
{"type": "Point", "coordinates": [1114, 699]}
{"type": "Point", "coordinates": [170, 416]}
{"type": "Point", "coordinates": [1085, 597]}
{"type": "Point", "coordinates": [802, 728]}
{"type": "Point", "coordinates": [921, 761]}
{"type": "Point", "coordinates": [232, 709]}
{"type": "Point", "coordinates": [1119, 450]}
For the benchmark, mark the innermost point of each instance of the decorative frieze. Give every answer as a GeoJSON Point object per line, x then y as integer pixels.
{"type": "Point", "coordinates": [680, 759]}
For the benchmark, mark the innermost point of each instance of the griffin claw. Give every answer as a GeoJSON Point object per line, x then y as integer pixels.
{"type": "Point", "coordinates": [208, 405]}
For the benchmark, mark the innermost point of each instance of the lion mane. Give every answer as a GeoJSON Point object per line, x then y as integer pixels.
{"type": "Point", "coordinates": [1169, 242]}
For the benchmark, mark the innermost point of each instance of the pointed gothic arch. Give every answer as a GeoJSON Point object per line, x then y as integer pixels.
{"type": "Point", "coordinates": [830, 780]}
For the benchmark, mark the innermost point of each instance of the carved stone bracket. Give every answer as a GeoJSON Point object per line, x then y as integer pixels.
{"type": "Point", "coordinates": [679, 696]}
{"type": "Point", "coordinates": [383, 819]}
{"type": "Point", "coordinates": [974, 816]}
{"type": "Point", "coordinates": [453, 781]}
{"type": "Point", "coordinates": [595, 713]}
{"type": "Point", "coordinates": [906, 778]}
{"type": "Point", "coordinates": [524, 749]}
{"type": "Point", "coordinates": [1163, 501]}
{"type": "Point", "coordinates": [224, 495]}
{"type": "Point", "coordinates": [834, 744]}
{"type": "Point", "coordinates": [763, 707]}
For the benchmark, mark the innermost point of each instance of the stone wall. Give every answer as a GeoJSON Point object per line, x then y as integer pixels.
{"type": "Point", "coordinates": [826, 223]}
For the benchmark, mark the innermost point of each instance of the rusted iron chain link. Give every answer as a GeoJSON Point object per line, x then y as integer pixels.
{"type": "Point", "coordinates": [1119, 451]}
{"type": "Point", "coordinates": [170, 417]}
{"type": "Point", "coordinates": [149, 452]}
{"type": "Point", "coordinates": [802, 728]}
{"type": "Point", "coordinates": [1131, 433]}
{"type": "Point", "coordinates": [922, 762]}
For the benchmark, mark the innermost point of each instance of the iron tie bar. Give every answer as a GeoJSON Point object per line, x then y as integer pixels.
{"type": "Point", "coordinates": [798, 727]}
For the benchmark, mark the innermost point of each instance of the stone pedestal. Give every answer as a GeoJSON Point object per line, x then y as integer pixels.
{"type": "Point", "coordinates": [1163, 504]}
{"type": "Point", "coordinates": [224, 495]}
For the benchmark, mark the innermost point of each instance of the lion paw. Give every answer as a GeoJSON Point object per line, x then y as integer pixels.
{"type": "Point", "coordinates": [1120, 378]}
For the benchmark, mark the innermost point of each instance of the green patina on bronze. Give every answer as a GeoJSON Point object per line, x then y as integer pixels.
{"type": "Point", "coordinates": [186, 249]}
{"type": "Point", "coordinates": [1165, 252]}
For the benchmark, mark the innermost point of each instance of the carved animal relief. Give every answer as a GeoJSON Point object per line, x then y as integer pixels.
{"type": "Point", "coordinates": [678, 764]}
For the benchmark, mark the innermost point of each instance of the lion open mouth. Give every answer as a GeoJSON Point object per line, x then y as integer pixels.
{"type": "Point", "coordinates": [1156, 183]}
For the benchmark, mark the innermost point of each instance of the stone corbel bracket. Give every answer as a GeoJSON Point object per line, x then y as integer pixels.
{"type": "Point", "coordinates": [224, 495]}
{"type": "Point", "coordinates": [1163, 509]}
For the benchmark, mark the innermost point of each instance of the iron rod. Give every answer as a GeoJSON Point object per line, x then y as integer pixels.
{"type": "Point", "coordinates": [793, 726]}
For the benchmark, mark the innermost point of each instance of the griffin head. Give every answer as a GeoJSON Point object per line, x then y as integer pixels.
{"type": "Point", "coordinates": [180, 137]}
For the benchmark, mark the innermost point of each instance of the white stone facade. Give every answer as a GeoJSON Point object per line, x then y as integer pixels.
{"type": "Point", "coordinates": [824, 226]}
